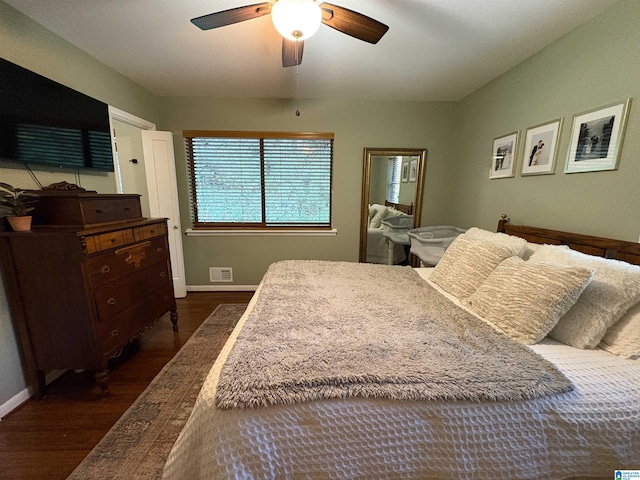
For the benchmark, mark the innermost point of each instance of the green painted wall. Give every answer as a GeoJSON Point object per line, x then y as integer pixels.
{"type": "Point", "coordinates": [356, 125]}
{"type": "Point", "coordinates": [596, 64]}
{"type": "Point", "coordinates": [28, 44]}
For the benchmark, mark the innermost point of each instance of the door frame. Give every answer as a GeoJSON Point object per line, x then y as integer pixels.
{"type": "Point", "coordinates": [129, 119]}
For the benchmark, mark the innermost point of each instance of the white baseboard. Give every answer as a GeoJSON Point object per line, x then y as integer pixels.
{"type": "Point", "coordinates": [14, 402]}
{"type": "Point", "coordinates": [24, 395]}
{"type": "Point", "coordinates": [221, 288]}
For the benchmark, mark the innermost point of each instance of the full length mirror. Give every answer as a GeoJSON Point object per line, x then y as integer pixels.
{"type": "Point", "coordinates": [392, 184]}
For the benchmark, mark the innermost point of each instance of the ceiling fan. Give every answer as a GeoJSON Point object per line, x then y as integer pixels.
{"type": "Point", "coordinates": [297, 20]}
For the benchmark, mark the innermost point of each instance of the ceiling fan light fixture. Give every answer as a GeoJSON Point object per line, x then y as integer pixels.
{"type": "Point", "coordinates": [296, 19]}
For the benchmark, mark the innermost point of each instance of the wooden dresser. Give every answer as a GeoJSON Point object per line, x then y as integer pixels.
{"type": "Point", "coordinates": [80, 289]}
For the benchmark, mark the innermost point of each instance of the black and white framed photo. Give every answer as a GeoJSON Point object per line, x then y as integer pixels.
{"type": "Point", "coordinates": [405, 172]}
{"type": "Point", "coordinates": [503, 156]}
{"type": "Point", "coordinates": [596, 138]}
{"type": "Point", "coordinates": [540, 148]}
{"type": "Point", "coordinates": [413, 170]}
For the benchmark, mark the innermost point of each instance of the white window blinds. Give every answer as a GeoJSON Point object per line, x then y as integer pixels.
{"type": "Point", "coordinates": [260, 179]}
{"type": "Point", "coordinates": [394, 173]}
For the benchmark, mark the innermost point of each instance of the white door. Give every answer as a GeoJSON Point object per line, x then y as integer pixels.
{"type": "Point", "coordinates": [162, 187]}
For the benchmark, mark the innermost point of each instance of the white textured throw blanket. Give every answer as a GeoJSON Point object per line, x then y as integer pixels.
{"type": "Point", "coordinates": [336, 330]}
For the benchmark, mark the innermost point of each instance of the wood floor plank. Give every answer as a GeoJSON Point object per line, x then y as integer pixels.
{"type": "Point", "coordinates": [48, 438]}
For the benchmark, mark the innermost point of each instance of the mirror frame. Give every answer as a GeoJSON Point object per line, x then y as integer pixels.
{"type": "Point", "coordinates": [369, 153]}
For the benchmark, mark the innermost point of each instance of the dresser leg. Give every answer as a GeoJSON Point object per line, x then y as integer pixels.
{"type": "Point", "coordinates": [40, 386]}
{"type": "Point", "coordinates": [102, 380]}
{"type": "Point", "coordinates": [174, 319]}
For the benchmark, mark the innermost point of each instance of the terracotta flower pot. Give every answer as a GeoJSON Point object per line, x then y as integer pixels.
{"type": "Point", "coordinates": [20, 224]}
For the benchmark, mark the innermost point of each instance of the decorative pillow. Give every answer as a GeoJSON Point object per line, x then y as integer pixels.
{"type": "Point", "coordinates": [519, 245]}
{"type": "Point", "coordinates": [532, 247]}
{"type": "Point", "coordinates": [525, 299]}
{"type": "Point", "coordinates": [466, 264]}
{"type": "Point", "coordinates": [376, 215]}
{"type": "Point", "coordinates": [623, 338]}
{"type": "Point", "coordinates": [615, 288]}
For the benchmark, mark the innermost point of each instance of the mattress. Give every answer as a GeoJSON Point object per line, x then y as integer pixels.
{"type": "Point", "coordinates": [586, 433]}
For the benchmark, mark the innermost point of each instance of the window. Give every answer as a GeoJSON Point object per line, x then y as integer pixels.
{"type": "Point", "coordinates": [260, 179]}
{"type": "Point", "coordinates": [393, 179]}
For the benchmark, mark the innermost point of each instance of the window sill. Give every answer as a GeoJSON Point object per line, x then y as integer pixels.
{"type": "Point", "coordinates": [259, 232]}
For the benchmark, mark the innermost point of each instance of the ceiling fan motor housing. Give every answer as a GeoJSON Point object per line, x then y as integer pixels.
{"type": "Point", "coordinates": [296, 19]}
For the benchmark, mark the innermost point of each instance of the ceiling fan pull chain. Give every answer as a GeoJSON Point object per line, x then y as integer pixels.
{"type": "Point", "coordinates": [297, 78]}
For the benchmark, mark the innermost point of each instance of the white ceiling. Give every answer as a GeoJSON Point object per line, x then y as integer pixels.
{"type": "Point", "coordinates": [434, 49]}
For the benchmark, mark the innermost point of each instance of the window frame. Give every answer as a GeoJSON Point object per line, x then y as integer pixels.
{"type": "Point", "coordinates": [256, 226]}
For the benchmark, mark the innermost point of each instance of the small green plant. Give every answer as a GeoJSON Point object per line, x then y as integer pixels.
{"type": "Point", "coordinates": [16, 202]}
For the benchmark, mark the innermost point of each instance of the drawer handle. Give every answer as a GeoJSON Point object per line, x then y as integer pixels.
{"type": "Point", "coordinates": [115, 333]}
{"type": "Point", "coordinates": [98, 210]}
{"type": "Point", "coordinates": [114, 240]}
{"type": "Point", "coordinates": [159, 250]}
{"type": "Point", "coordinates": [152, 231]}
{"type": "Point", "coordinates": [111, 301]}
{"type": "Point", "coordinates": [105, 269]}
{"type": "Point", "coordinates": [166, 298]}
{"type": "Point", "coordinates": [135, 254]}
{"type": "Point", "coordinates": [163, 274]}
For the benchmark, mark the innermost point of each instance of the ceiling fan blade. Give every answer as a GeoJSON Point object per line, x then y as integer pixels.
{"type": "Point", "coordinates": [234, 15]}
{"type": "Point", "coordinates": [353, 23]}
{"type": "Point", "coordinates": [289, 52]}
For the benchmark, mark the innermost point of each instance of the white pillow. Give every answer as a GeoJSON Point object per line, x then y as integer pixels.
{"type": "Point", "coordinates": [519, 245]}
{"type": "Point", "coordinates": [532, 247]}
{"type": "Point", "coordinates": [615, 288]}
{"type": "Point", "coordinates": [525, 299]}
{"type": "Point", "coordinates": [466, 264]}
{"type": "Point", "coordinates": [623, 339]}
{"type": "Point", "coordinates": [376, 215]}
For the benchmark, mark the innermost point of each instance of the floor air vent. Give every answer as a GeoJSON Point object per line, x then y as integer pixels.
{"type": "Point", "coordinates": [220, 274]}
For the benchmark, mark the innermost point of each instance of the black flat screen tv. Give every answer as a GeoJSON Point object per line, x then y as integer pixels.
{"type": "Point", "coordinates": [45, 123]}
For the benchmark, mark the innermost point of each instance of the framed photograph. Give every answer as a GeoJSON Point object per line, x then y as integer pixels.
{"type": "Point", "coordinates": [596, 138]}
{"type": "Point", "coordinates": [405, 172]}
{"type": "Point", "coordinates": [540, 148]}
{"type": "Point", "coordinates": [413, 170]}
{"type": "Point", "coordinates": [503, 156]}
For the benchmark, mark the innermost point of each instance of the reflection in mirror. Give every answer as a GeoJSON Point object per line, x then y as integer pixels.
{"type": "Point", "coordinates": [392, 184]}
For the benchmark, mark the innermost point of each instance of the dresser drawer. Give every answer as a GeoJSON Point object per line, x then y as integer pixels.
{"type": "Point", "coordinates": [106, 241]}
{"type": "Point", "coordinates": [118, 330]}
{"type": "Point", "coordinates": [104, 210]}
{"type": "Point", "coordinates": [150, 231]}
{"type": "Point", "coordinates": [114, 264]}
{"type": "Point", "coordinates": [83, 209]}
{"type": "Point", "coordinates": [121, 295]}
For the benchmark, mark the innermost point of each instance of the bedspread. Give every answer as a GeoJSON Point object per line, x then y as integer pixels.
{"type": "Point", "coordinates": [585, 433]}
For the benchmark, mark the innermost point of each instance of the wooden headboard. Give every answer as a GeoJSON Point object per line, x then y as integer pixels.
{"type": "Point", "coordinates": [408, 209]}
{"type": "Point", "coordinates": [598, 246]}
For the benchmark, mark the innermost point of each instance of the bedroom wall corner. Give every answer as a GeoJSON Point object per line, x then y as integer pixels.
{"type": "Point", "coordinates": [594, 65]}
{"type": "Point", "coordinates": [28, 44]}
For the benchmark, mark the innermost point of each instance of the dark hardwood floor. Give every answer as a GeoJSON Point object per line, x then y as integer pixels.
{"type": "Point", "coordinates": [48, 438]}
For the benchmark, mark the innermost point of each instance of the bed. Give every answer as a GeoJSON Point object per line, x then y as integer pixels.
{"type": "Point", "coordinates": [377, 243]}
{"type": "Point", "coordinates": [586, 428]}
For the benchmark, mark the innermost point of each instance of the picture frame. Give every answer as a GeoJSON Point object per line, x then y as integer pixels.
{"type": "Point", "coordinates": [541, 148]}
{"type": "Point", "coordinates": [413, 170]}
{"type": "Point", "coordinates": [503, 156]}
{"type": "Point", "coordinates": [405, 172]}
{"type": "Point", "coordinates": [596, 138]}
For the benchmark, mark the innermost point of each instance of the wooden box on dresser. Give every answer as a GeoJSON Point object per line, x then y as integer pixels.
{"type": "Point", "coordinates": [80, 293]}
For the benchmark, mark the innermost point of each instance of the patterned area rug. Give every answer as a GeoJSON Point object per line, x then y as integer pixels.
{"type": "Point", "coordinates": [138, 444]}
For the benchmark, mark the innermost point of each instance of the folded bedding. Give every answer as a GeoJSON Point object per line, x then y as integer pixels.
{"type": "Point", "coordinates": [328, 330]}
